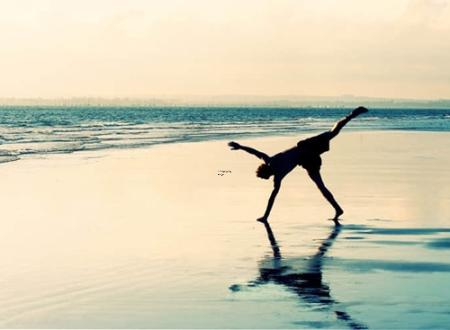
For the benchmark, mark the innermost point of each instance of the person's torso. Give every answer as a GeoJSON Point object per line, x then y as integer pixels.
{"type": "Point", "coordinates": [284, 162]}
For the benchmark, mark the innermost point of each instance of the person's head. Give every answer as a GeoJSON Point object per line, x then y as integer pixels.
{"type": "Point", "coordinates": [264, 171]}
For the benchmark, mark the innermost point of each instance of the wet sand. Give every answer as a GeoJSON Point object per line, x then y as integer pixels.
{"type": "Point", "coordinates": [166, 237]}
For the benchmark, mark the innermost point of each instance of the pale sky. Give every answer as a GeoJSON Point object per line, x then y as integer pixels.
{"type": "Point", "coordinates": [132, 48]}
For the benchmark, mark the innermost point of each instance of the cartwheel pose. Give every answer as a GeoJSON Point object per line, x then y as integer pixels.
{"type": "Point", "coordinates": [305, 154]}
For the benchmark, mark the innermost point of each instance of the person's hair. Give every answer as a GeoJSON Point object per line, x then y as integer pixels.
{"type": "Point", "coordinates": [264, 171]}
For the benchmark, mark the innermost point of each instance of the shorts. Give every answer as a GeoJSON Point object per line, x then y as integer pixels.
{"type": "Point", "coordinates": [310, 150]}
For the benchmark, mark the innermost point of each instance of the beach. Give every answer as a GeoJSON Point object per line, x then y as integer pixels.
{"type": "Point", "coordinates": [166, 237]}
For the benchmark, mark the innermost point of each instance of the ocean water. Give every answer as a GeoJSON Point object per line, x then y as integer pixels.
{"type": "Point", "coordinates": [27, 131]}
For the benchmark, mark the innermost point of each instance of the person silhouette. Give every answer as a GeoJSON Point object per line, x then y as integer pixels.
{"type": "Point", "coordinates": [305, 154]}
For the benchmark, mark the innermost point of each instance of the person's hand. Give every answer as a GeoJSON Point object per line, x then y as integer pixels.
{"type": "Point", "coordinates": [234, 145]}
{"type": "Point", "coordinates": [262, 219]}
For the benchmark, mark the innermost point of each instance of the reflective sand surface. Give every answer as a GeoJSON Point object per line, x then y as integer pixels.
{"type": "Point", "coordinates": [156, 238]}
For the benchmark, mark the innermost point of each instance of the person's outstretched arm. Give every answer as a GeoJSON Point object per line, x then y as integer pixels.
{"type": "Point", "coordinates": [254, 152]}
{"type": "Point", "coordinates": [276, 189]}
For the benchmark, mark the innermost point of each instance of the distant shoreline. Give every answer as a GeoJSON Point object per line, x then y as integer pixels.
{"type": "Point", "coordinates": [250, 101]}
{"type": "Point", "coordinates": [216, 106]}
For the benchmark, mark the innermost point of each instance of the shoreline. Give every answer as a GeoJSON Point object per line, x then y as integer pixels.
{"type": "Point", "coordinates": [102, 152]}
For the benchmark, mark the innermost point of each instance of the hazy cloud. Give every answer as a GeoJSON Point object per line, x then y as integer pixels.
{"type": "Point", "coordinates": [141, 48]}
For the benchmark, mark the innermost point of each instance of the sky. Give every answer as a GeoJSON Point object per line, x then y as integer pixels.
{"type": "Point", "coordinates": [111, 49]}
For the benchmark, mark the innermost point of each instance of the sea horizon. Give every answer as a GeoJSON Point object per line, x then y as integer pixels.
{"type": "Point", "coordinates": [232, 100]}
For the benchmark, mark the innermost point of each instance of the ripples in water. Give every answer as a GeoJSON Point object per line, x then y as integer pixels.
{"type": "Point", "coordinates": [33, 130]}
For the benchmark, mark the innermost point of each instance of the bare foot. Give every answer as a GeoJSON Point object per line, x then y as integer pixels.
{"type": "Point", "coordinates": [358, 111]}
{"type": "Point", "coordinates": [336, 222]}
{"type": "Point", "coordinates": [339, 212]}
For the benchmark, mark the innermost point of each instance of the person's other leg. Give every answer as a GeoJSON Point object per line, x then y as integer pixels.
{"type": "Point", "coordinates": [341, 123]}
{"type": "Point", "coordinates": [317, 178]}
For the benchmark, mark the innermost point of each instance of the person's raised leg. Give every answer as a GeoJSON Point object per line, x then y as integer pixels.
{"type": "Point", "coordinates": [341, 123]}
{"type": "Point", "coordinates": [317, 178]}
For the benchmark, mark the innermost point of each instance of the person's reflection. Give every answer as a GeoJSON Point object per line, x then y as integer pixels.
{"type": "Point", "coordinates": [306, 280]}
